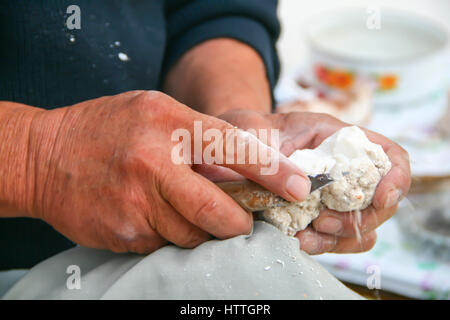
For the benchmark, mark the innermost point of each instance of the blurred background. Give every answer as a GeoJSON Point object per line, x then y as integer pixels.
{"type": "Point", "coordinates": [294, 14]}
{"type": "Point", "coordinates": [384, 65]}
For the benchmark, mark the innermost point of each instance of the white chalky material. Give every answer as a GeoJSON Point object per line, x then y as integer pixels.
{"type": "Point", "coordinates": [357, 166]}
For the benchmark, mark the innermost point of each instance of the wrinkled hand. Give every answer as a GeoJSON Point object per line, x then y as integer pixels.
{"type": "Point", "coordinates": [103, 176]}
{"type": "Point", "coordinates": [335, 231]}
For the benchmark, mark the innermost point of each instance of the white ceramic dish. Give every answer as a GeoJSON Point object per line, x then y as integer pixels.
{"type": "Point", "coordinates": [406, 59]}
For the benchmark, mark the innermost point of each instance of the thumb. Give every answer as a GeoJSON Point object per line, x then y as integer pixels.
{"type": "Point", "coordinates": [217, 142]}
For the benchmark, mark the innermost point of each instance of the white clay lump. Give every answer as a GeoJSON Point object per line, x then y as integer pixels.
{"type": "Point", "coordinates": [356, 165]}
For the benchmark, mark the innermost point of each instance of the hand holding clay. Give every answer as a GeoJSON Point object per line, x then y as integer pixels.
{"type": "Point", "coordinates": [102, 173]}
{"type": "Point", "coordinates": [334, 231]}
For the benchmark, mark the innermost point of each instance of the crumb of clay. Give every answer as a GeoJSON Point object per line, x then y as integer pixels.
{"type": "Point", "coordinates": [123, 56]}
{"type": "Point", "coordinates": [356, 165]}
{"type": "Point", "coordinates": [295, 216]}
{"type": "Point", "coordinates": [364, 163]}
{"type": "Point", "coordinates": [280, 262]}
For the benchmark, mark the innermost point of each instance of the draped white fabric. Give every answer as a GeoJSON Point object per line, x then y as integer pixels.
{"type": "Point", "coordinates": [265, 265]}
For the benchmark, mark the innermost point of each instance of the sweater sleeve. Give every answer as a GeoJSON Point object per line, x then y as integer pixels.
{"type": "Point", "coordinates": [253, 22]}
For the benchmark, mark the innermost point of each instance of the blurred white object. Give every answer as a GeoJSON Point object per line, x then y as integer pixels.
{"type": "Point", "coordinates": [410, 85]}
{"type": "Point", "coordinates": [403, 58]}
{"type": "Point", "coordinates": [299, 93]}
{"type": "Point", "coordinates": [419, 128]}
{"type": "Point", "coordinates": [415, 129]}
{"type": "Point", "coordinates": [443, 124]}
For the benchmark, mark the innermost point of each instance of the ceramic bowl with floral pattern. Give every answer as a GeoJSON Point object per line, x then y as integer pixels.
{"type": "Point", "coordinates": [403, 55]}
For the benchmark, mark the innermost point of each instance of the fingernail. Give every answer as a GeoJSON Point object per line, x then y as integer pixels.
{"type": "Point", "coordinates": [392, 198]}
{"type": "Point", "coordinates": [298, 187]}
{"type": "Point", "coordinates": [309, 243]}
{"type": "Point", "coordinates": [330, 225]}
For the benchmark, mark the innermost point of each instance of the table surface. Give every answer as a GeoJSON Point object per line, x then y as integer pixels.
{"type": "Point", "coordinates": [375, 294]}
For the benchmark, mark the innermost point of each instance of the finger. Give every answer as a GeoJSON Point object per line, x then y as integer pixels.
{"type": "Point", "coordinates": [176, 229]}
{"type": "Point", "coordinates": [203, 204]}
{"type": "Point", "coordinates": [217, 142]}
{"type": "Point", "coordinates": [247, 119]}
{"type": "Point", "coordinates": [397, 182]}
{"type": "Point", "coordinates": [281, 176]}
{"type": "Point", "coordinates": [216, 173]}
{"type": "Point", "coordinates": [347, 224]}
{"type": "Point", "coordinates": [353, 245]}
{"type": "Point", "coordinates": [250, 157]}
{"type": "Point", "coordinates": [313, 242]}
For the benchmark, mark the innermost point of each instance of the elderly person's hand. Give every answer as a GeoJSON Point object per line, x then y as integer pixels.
{"type": "Point", "coordinates": [334, 231]}
{"type": "Point", "coordinates": [102, 173]}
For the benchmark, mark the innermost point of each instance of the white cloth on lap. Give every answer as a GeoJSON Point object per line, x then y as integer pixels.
{"type": "Point", "coordinates": [266, 265]}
